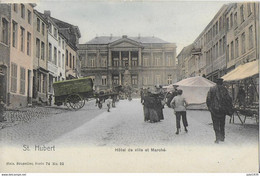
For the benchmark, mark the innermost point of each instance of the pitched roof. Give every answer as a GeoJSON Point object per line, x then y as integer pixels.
{"type": "Point", "coordinates": [63, 25]}
{"type": "Point", "coordinates": [107, 39]}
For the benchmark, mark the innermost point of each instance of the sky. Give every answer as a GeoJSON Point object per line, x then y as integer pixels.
{"type": "Point", "coordinates": [178, 22]}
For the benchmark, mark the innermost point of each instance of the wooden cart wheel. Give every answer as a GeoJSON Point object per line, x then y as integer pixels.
{"type": "Point", "coordinates": [75, 101]}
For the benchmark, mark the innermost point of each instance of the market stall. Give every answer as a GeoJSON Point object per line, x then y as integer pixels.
{"type": "Point", "coordinates": [243, 85]}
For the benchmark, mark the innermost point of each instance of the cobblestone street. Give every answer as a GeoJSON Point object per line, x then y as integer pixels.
{"type": "Point", "coordinates": [42, 124]}
{"type": "Point", "coordinates": [91, 137]}
{"type": "Point", "coordinates": [123, 126]}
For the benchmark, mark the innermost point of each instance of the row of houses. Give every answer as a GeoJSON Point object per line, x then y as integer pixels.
{"type": "Point", "coordinates": [36, 50]}
{"type": "Point", "coordinates": [230, 39]}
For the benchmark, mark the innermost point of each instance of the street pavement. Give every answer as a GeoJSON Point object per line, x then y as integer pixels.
{"type": "Point", "coordinates": [123, 126]}
{"type": "Point", "coordinates": [94, 140]}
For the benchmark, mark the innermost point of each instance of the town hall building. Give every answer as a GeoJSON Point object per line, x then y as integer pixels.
{"type": "Point", "coordinates": [148, 61]}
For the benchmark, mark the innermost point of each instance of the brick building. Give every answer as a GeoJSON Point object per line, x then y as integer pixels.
{"type": "Point", "coordinates": [149, 61]}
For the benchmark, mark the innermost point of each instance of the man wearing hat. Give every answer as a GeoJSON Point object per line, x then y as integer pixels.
{"type": "Point", "coordinates": [219, 104]}
{"type": "Point", "coordinates": [171, 95]}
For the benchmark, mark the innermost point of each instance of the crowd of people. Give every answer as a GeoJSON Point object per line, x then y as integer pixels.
{"type": "Point", "coordinates": [154, 101]}
{"type": "Point", "coordinates": [218, 101]}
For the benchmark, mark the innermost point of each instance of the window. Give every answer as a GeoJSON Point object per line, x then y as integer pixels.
{"type": "Point", "coordinates": [104, 62]}
{"type": "Point", "coordinates": [62, 44]}
{"type": "Point", "coordinates": [220, 24]}
{"type": "Point", "coordinates": [134, 61]}
{"type": "Point", "coordinates": [29, 16]}
{"type": "Point", "coordinates": [14, 34]}
{"type": "Point", "coordinates": [38, 25]}
{"type": "Point", "coordinates": [145, 80]}
{"type": "Point", "coordinates": [125, 62]}
{"type": "Point", "coordinates": [232, 50]}
{"type": "Point", "coordinates": [251, 40]}
{"type": "Point", "coordinates": [249, 10]}
{"type": "Point", "coordinates": [50, 28]}
{"type": "Point", "coordinates": [227, 24]}
{"type": "Point", "coordinates": [242, 14]}
{"type": "Point", "coordinates": [227, 52]}
{"type": "Point", "coordinates": [92, 62]}
{"type": "Point", "coordinates": [22, 39]}
{"type": "Point", "coordinates": [134, 80]}
{"type": "Point", "coordinates": [146, 62]}
{"type": "Point", "coordinates": [62, 61]}
{"type": "Point", "coordinates": [37, 48]}
{"type": "Point", "coordinates": [115, 62]}
{"type": "Point", "coordinates": [104, 80]}
{"type": "Point", "coordinates": [43, 28]}
{"type": "Point", "coordinates": [4, 38]}
{"type": "Point", "coordinates": [22, 11]}
{"type": "Point", "coordinates": [67, 58]}
{"type": "Point", "coordinates": [29, 43]}
{"type": "Point", "coordinates": [13, 77]}
{"type": "Point", "coordinates": [15, 7]}
{"type": "Point", "coordinates": [55, 32]}
{"type": "Point", "coordinates": [44, 83]}
{"type": "Point", "coordinates": [50, 52]}
{"type": "Point", "coordinates": [169, 79]}
{"type": "Point", "coordinates": [115, 80]}
{"type": "Point", "coordinates": [231, 20]}
{"type": "Point", "coordinates": [224, 44]}
{"type": "Point", "coordinates": [59, 41]}
{"type": "Point", "coordinates": [55, 55]}
{"type": "Point", "coordinates": [220, 47]}
{"type": "Point", "coordinates": [243, 43]}
{"type": "Point", "coordinates": [216, 27]}
{"type": "Point", "coordinates": [158, 79]}
{"type": "Point", "coordinates": [236, 48]}
{"type": "Point", "coordinates": [59, 59]}
{"type": "Point", "coordinates": [22, 80]}
{"type": "Point", "coordinates": [235, 19]}
{"type": "Point", "coordinates": [42, 50]}
{"type": "Point", "coordinates": [157, 61]}
{"type": "Point", "coordinates": [73, 63]}
{"type": "Point", "coordinates": [168, 60]}
{"type": "Point", "coordinates": [70, 60]}
{"type": "Point", "coordinates": [217, 54]}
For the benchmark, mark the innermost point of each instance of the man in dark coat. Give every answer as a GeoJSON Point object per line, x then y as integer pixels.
{"type": "Point", "coordinates": [219, 104]}
{"type": "Point", "coordinates": [171, 95]}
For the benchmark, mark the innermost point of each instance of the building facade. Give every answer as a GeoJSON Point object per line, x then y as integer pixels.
{"type": "Point", "coordinates": [5, 42]}
{"type": "Point", "coordinates": [56, 53]}
{"type": "Point", "coordinates": [70, 62]}
{"type": "Point", "coordinates": [40, 60]}
{"type": "Point", "coordinates": [242, 33]}
{"type": "Point", "coordinates": [134, 61]}
{"type": "Point", "coordinates": [72, 35]}
{"type": "Point", "coordinates": [229, 40]}
{"type": "Point", "coordinates": [21, 55]}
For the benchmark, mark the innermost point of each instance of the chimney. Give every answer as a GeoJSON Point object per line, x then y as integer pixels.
{"type": "Point", "coordinates": [139, 36]}
{"type": "Point", "coordinates": [47, 13]}
{"type": "Point", "coordinates": [124, 36]}
{"type": "Point", "coordinates": [111, 36]}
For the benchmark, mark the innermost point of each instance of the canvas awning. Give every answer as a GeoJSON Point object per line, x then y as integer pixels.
{"type": "Point", "coordinates": [242, 72]}
{"type": "Point", "coordinates": [195, 89]}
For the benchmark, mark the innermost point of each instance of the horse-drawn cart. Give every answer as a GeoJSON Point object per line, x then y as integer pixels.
{"type": "Point", "coordinates": [73, 93]}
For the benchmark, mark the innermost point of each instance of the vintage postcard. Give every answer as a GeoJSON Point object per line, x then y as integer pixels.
{"type": "Point", "coordinates": [129, 86]}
